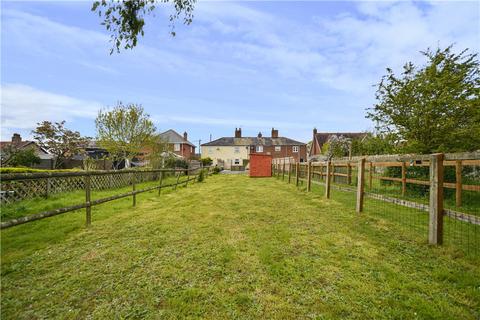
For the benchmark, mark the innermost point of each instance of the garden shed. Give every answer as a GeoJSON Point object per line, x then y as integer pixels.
{"type": "Point", "coordinates": [260, 165]}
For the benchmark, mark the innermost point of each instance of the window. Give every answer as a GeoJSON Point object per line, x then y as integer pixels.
{"type": "Point", "coordinates": [295, 149]}
{"type": "Point", "coordinates": [237, 149]}
{"type": "Point", "coordinates": [237, 161]}
{"type": "Point", "coordinates": [210, 150]}
{"type": "Point", "coordinates": [278, 148]}
{"type": "Point", "coordinates": [176, 147]}
{"type": "Point", "coordinates": [259, 149]}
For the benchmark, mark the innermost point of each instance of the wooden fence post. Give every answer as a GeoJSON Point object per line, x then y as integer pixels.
{"type": "Point", "coordinates": [328, 180]}
{"type": "Point", "coordinates": [178, 178]}
{"type": "Point", "coordinates": [88, 208]}
{"type": "Point", "coordinates": [404, 178]}
{"type": "Point", "coordinates": [297, 176]}
{"type": "Point", "coordinates": [283, 171]}
{"type": "Point", "coordinates": [160, 184]}
{"type": "Point", "coordinates": [47, 190]}
{"type": "Point", "coordinates": [458, 183]}
{"type": "Point", "coordinates": [370, 176]}
{"type": "Point", "coordinates": [360, 185]}
{"type": "Point", "coordinates": [435, 228]}
{"type": "Point", "coordinates": [309, 176]}
{"type": "Point", "coordinates": [289, 171]}
{"type": "Point", "coordinates": [349, 173]}
{"type": "Point", "coordinates": [333, 172]}
{"type": "Point", "coordinates": [134, 189]}
{"type": "Point", "coordinates": [188, 177]}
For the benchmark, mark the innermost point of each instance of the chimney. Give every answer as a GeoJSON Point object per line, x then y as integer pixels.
{"type": "Point", "coordinates": [16, 138]}
{"type": "Point", "coordinates": [238, 132]}
{"type": "Point", "coordinates": [185, 136]}
{"type": "Point", "coordinates": [259, 134]}
{"type": "Point", "coordinates": [274, 133]}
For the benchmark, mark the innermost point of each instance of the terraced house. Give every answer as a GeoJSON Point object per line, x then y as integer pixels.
{"type": "Point", "coordinates": [234, 152]}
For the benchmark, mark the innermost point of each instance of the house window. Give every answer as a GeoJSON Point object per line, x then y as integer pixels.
{"type": "Point", "coordinates": [210, 150]}
{"type": "Point", "coordinates": [278, 148]}
{"type": "Point", "coordinates": [176, 147]}
{"type": "Point", "coordinates": [295, 149]}
{"type": "Point", "coordinates": [259, 149]}
{"type": "Point", "coordinates": [237, 149]}
{"type": "Point", "coordinates": [237, 161]}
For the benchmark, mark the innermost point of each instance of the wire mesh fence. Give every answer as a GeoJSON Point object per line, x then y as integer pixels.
{"type": "Point", "coordinates": [398, 191]}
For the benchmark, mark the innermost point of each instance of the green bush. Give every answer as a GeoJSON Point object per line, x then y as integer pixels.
{"type": "Point", "coordinates": [201, 176]}
{"type": "Point", "coordinates": [206, 161]}
{"type": "Point", "coordinates": [216, 170]}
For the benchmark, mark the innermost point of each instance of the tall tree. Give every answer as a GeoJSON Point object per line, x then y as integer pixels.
{"type": "Point", "coordinates": [433, 108]}
{"type": "Point", "coordinates": [58, 140]}
{"type": "Point", "coordinates": [124, 131]}
{"type": "Point", "coordinates": [125, 19]}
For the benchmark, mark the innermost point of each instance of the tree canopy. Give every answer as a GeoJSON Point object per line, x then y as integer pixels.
{"type": "Point", "coordinates": [432, 108]}
{"type": "Point", "coordinates": [125, 20]}
{"type": "Point", "coordinates": [58, 140]}
{"type": "Point", "coordinates": [124, 131]}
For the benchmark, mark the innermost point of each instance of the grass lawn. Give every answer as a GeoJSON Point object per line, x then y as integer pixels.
{"type": "Point", "coordinates": [232, 247]}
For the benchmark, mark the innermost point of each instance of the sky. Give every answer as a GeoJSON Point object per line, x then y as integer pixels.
{"type": "Point", "coordinates": [255, 65]}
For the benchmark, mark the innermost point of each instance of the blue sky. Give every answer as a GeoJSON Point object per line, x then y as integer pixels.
{"type": "Point", "coordinates": [255, 65]}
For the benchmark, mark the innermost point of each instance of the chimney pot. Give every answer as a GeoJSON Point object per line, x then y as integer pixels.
{"type": "Point", "coordinates": [274, 133]}
{"type": "Point", "coordinates": [238, 132]}
{"type": "Point", "coordinates": [16, 138]}
{"type": "Point", "coordinates": [259, 134]}
{"type": "Point", "coordinates": [185, 135]}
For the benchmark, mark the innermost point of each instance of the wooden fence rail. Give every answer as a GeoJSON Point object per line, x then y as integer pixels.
{"type": "Point", "coordinates": [326, 171]}
{"type": "Point", "coordinates": [88, 202]}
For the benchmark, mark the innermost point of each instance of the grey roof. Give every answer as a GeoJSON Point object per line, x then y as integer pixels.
{"type": "Point", "coordinates": [248, 141]}
{"type": "Point", "coordinates": [171, 136]}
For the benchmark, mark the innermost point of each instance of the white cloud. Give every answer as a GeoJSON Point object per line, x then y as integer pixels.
{"type": "Point", "coordinates": [22, 107]}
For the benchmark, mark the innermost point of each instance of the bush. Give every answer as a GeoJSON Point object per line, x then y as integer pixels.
{"type": "Point", "coordinates": [201, 176]}
{"type": "Point", "coordinates": [172, 162]}
{"type": "Point", "coordinates": [216, 170]}
{"type": "Point", "coordinates": [206, 161]}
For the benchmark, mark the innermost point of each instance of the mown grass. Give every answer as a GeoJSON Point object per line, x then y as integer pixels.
{"type": "Point", "coordinates": [232, 247]}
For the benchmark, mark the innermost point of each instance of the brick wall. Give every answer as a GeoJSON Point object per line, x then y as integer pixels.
{"type": "Point", "coordinates": [260, 165]}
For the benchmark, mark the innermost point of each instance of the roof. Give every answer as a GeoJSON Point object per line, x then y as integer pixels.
{"type": "Point", "coordinates": [20, 145]}
{"type": "Point", "coordinates": [322, 137]}
{"type": "Point", "coordinates": [171, 136]}
{"type": "Point", "coordinates": [247, 141]}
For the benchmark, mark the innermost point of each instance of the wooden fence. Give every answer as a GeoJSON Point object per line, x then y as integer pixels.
{"type": "Point", "coordinates": [88, 181]}
{"type": "Point", "coordinates": [359, 174]}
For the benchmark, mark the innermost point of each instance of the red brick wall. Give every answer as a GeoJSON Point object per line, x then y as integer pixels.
{"type": "Point", "coordinates": [260, 165]}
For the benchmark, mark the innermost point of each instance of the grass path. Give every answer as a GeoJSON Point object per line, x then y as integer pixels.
{"type": "Point", "coordinates": [231, 247]}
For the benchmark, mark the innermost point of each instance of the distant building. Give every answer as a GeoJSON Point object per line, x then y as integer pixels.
{"type": "Point", "coordinates": [320, 138]}
{"type": "Point", "coordinates": [178, 144]}
{"type": "Point", "coordinates": [235, 151]}
{"type": "Point", "coordinates": [46, 159]}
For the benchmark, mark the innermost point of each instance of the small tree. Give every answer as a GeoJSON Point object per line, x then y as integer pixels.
{"type": "Point", "coordinates": [59, 141]}
{"type": "Point", "coordinates": [373, 144]}
{"type": "Point", "coordinates": [12, 156]}
{"type": "Point", "coordinates": [336, 146]}
{"type": "Point", "coordinates": [157, 152]}
{"type": "Point", "coordinates": [124, 131]}
{"type": "Point", "coordinates": [434, 108]}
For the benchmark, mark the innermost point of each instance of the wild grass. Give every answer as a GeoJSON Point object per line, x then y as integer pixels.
{"type": "Point", "coordinates": [232, 247]}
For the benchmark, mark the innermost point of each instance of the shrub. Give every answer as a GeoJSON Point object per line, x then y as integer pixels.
{"type": "Point", "coordinates": [206, 161]}
{"type": "Point", "coordinates": [216, 170]}
{"type": "Point", "coordinates": [201, 176]}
